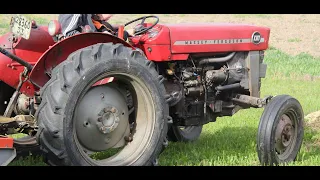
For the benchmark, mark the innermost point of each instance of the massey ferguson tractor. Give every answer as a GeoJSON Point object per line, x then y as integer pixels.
{"type": "Point", "coordinates": [95, 99]}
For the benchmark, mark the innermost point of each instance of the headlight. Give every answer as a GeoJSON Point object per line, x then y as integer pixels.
{"type": "Point", "coordinates": [54, 27]}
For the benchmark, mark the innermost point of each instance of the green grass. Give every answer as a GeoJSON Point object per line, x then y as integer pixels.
{"type": "Point", "coordinates": [28, 161]}
{"type": "Point", "coordinates": [280, 63]}
{"type": "Point", "coordinates": [232, 140]}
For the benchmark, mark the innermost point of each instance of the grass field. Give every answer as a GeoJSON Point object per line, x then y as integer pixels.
{"type": "Point", "coordinates": [231, 141]}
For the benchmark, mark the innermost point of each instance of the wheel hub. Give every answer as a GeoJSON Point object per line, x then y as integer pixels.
{"type": "Point", "coordinates": [108, 120]}
{"type": "Point", "coordinates": [101, 119]}
{"type": "Point", "coordinates": [284, 134]}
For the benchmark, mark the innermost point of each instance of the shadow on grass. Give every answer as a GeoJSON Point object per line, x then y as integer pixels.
{"type": "Point", "coordinates": [228, 145]}
{"type": "Point", "coordinates": [231, 146]}
{"type": "Point", "coordinates": [219, 145]}
{"type": "Point", "coordinates": [235, 146]}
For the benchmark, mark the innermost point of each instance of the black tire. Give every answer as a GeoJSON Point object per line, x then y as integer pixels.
{"type": "Point", "coordinates": [189, 134]}
{"type": "Point", "coordinates": [281, 114]}
{"type": "Point", "coordinates": [27, 146]}
{"type": "Point", "coordinates": [60, 94]}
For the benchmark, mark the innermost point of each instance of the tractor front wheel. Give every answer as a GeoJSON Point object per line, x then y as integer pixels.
{"type": "Point", "coordinates": [280, 131]}
{"type": "Point", "coordinates": [104, 106]}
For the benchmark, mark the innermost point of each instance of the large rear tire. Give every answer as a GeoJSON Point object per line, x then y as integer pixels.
{"type": "Point", "coordinates": [280, 131]}
{"type": "Point", "coordinates": [66, 139]}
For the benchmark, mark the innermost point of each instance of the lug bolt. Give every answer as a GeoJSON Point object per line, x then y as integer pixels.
{"type": "Point", "coordinates": [113, 110]}
{"type": "Point", "coordinates": [99, 119]}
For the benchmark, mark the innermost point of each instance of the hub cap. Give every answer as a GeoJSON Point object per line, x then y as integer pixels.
{"type": "Point", "coordinates": [102, 119]}
{"type": "Point", "coordinates": [284, 134]}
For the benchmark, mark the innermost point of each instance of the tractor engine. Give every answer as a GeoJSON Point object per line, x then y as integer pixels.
{"type": "Point", "coordinates": [206, 87]}
{"type": "Point", "coordinates": [26, 105]}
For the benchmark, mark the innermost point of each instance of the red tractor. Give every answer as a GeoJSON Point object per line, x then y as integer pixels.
{"type": "Point", "coordinates": [95, 99]}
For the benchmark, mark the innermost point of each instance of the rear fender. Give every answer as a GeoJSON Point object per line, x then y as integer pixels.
{"type": "Point", "coordinates": [59, 52]}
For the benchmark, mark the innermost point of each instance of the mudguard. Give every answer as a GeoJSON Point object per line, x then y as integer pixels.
{"type": "Point", "coordinates": [61, 50]}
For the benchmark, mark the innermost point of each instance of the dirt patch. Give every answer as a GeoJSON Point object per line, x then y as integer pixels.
{"type": "Point", "coordinates": [313, 121]}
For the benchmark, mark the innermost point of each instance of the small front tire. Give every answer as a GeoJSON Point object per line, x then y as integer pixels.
{"type": "Point", "coordinates": [280, 132]}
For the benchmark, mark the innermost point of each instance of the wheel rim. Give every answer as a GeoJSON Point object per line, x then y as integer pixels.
{"type": "Point", "coordinates": [110, 122]}
{"type": "Point", "coordinates": [286, 134]}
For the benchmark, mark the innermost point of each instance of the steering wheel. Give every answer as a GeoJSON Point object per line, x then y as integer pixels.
{"type": "Point", "coordinates": [139, 29]}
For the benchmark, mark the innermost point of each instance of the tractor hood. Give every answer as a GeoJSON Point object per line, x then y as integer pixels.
{"type": "Point", "coordinates": [209, 37]}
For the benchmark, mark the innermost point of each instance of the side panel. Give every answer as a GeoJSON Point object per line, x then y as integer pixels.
{"type": "Point", "coordinates": [217, 38]}
{"type": "Point", "coordinates": [61, 50]}
{"type": "Point", "coordinates": [30, 50]}
{"type": "Point", "coordinates": [157, 52]}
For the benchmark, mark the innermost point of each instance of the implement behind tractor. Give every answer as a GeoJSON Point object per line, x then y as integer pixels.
{"type": "Point", "coordinates": [7, 151]}
{"type": "Point", "coordinates": [96, 99]}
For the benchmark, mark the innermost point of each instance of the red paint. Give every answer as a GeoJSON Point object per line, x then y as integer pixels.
{"type": "Point", "coordinates": [104, 81]}
{"type": "Point", "coordinates": [120, 31]}
{"type": "Point", "coordinates": [61, 50]}
{"type": "Point", "coordinates": [29, 50]}
{"type": "Point", "coordinates": [6, 142]}
{"type": "Point", "coordinates": [216, 31]}
{"type": "Point", "coordinates": [158, 45]}
{"type": "Point", "coordinates": [157, 52]}
{"type": "Point", "coordinates": [163, 43]}
{"type": "Point", "coordinates": [156, 48]}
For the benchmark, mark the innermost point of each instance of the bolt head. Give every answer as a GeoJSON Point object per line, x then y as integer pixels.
{"type": "Point", "coordinates": [113, 110]}
{"type": "Point", "coordinates": [99, 119]}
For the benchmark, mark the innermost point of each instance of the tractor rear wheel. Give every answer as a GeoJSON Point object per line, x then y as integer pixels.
{"type": "Point", "coordinates": [280, 131]}
{"type": "Point", "coordinates": [83, 121]}
{"type": "Point", "coordinates": [184, 133]}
